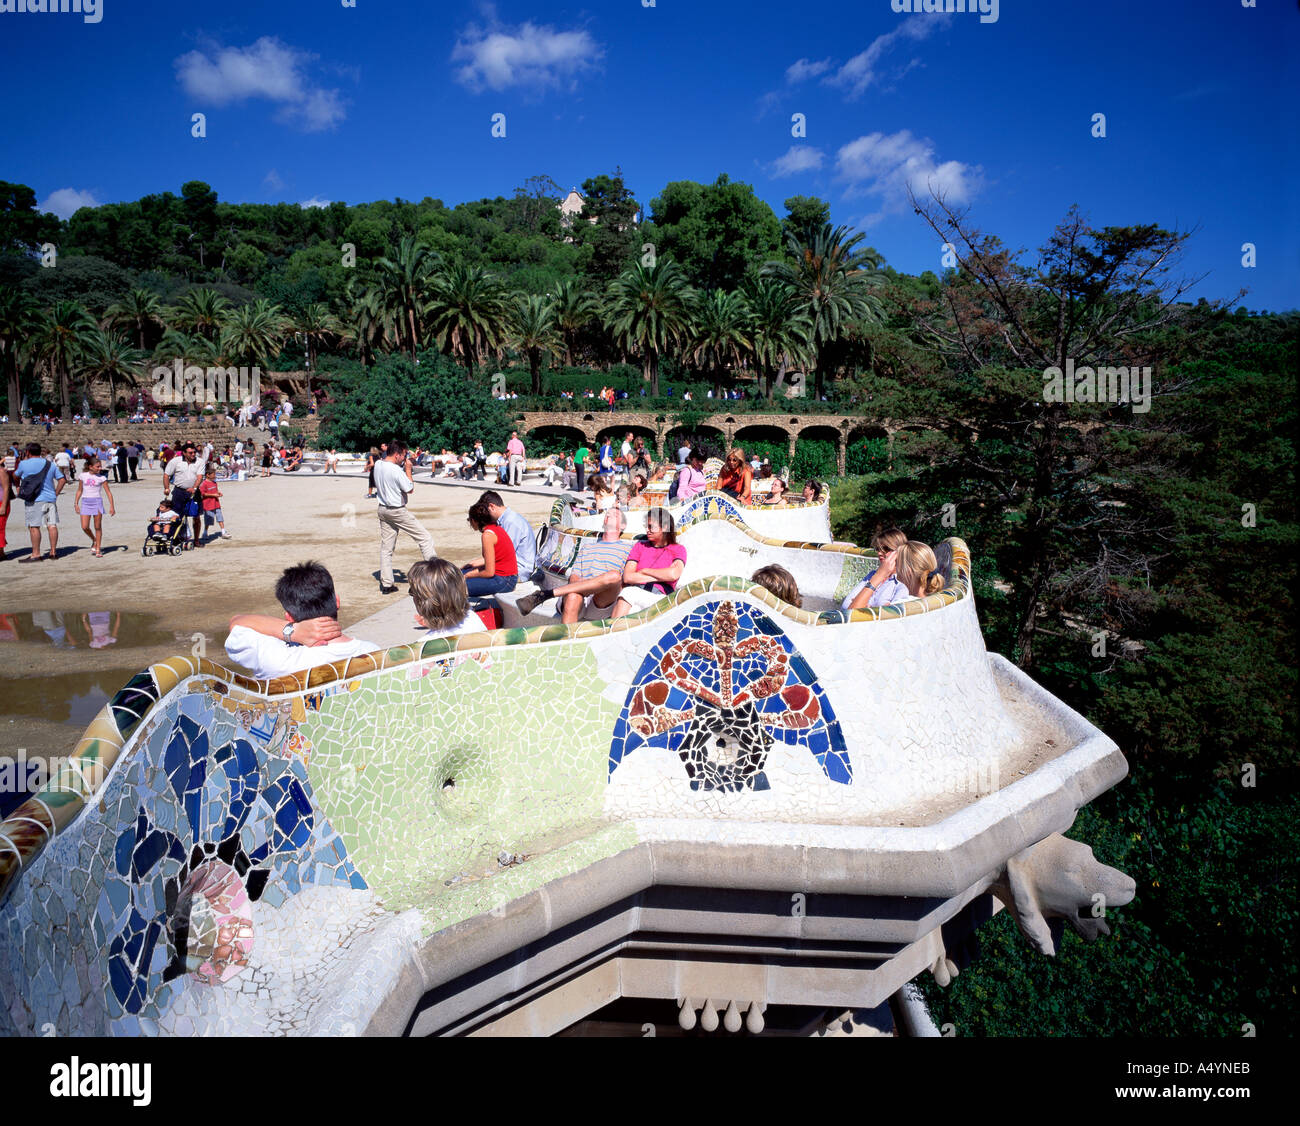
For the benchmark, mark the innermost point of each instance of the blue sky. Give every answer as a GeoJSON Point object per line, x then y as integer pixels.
{"type": "Point", "coordinates": [310, 100]}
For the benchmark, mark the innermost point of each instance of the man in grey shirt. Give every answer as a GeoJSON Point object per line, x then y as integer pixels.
{"type": "Point", "coordinates": [683, 453]}
{"type": "Point", "coordinates": [520, 532]}
{"type": "Point", "coordinates": [393, 484]}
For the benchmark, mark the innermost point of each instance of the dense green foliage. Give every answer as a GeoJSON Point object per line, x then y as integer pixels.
{"type": "Point", "coordinates": [707, 289]}
{"type": "Point", "coordinates": [435, 406]}
{"type": "Point", "coordinates": [1171, 540]}
{"type": "Point", "coordinates": [1206, 947]}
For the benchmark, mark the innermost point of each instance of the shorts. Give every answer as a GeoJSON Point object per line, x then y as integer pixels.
{"type": "Point", "coordinates": [92, 506]}
{"type": "Point", "coordinates": [43, 513]}
{"type": "Point", "coordinates": [640, 597]}
{"type": "Point", "coordinates": [213, 516]}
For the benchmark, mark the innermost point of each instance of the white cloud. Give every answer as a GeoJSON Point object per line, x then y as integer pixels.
{"type": "Point", "coordinates": [886, 165]}
{"type": "Point", "coordinates": [315, 201]}
{"type": "Point", "coordinates": [273, 181]}
{"type": "Point", "coordinates": [498, 57]}
{"type": "Point", "coordinates": [799, 158]}
{"type": "Point", "coordinates": [862, 70]}
{"type": "Point", "coordinates": [267, 69]}
{"type": "Point", "coordinates": [67, 201]}
{"type": "Point", "coordinates": [806, 68]}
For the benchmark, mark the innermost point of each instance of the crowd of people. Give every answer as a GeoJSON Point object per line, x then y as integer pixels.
{"type": "Point", "coordinates": [612, 576]}
{"type": "Point", "coordinates": [191, 484]}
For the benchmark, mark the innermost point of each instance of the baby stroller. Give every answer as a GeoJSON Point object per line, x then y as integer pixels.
{"type": "Point", "coordinates": [170, 542]}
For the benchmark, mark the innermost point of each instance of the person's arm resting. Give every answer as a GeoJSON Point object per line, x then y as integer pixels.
{"type": "Point", "coordinates": [313, 631]}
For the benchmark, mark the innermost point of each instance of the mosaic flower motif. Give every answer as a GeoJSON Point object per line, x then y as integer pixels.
{"type": "Point", "coordinates": [718, 690]}
{"type": "Point", "coordinates": [711, 506]}
{"type": "Point", "coordinates": [190, 887]}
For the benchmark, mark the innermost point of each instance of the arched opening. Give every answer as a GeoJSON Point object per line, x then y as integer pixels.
{"type": "Point", "coordinates": [542, 441]}
{"type": "Point", "coordinates": [711, 440]}
{"type": "Point", "coordinates": [617, 433]}
{"type": "Point", "coordinates": [867, 451]}
{"type": "Point", "coordinates": [816, 452]}
{"type": "Point", "coordinates": [768, 443]}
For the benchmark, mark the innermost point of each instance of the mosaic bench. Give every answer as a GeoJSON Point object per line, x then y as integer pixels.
{"type": "Point", "coordinates": [303, 855]}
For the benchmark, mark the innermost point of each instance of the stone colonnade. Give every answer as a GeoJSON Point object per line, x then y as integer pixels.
{"type": "Point", "coordinates": [840, 428]}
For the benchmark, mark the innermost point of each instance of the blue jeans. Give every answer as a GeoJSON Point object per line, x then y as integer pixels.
{"type": "Point", "coordinates": [479, 586]}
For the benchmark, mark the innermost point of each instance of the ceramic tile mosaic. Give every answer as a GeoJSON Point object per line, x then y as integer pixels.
{"type": "Point", "coordinates": [227, 855]}
{"type": "Point", "coordinates": [717, 690]}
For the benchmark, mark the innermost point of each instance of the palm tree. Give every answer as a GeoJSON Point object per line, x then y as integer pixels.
{"type": "Point", "coordinates": [536, 330]}
{"type": "Point", "coordinates": [404, 285]}
{"type": "Point", "coordinates": [575, 308]}
{"type": "Point", "coordinates": [369, 322]}
{"type": "Point", "coordinates": [832, 279]}
{"type": "Point", "coordinates": [720, 333]}
{"type": "Point", "coordinates": [254, 332]}
{"type": "Point", "coordinates": [317, 324]}
{"type": "Point", "coordinates": [780, 328]}
{"type": "Point", "coordinates": [19, 319]}
{"type": "Point", "coordinates": [139, 309]}
{"type": "Point", "coordinates": [64, 333]}
{"type": "Point", "coordinates": [469, 309]}
{"type": "Point", "coordinates": [201, 311]}
{"type": "Point", "coordinates": [649, 310]}
{"type": "Point", "coordinates": [108, 356]}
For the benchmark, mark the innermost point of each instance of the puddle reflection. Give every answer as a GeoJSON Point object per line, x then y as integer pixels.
{"type": "Point", "coordinates": [74, 629]}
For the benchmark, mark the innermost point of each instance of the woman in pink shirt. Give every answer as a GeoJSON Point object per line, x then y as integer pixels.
{"type": "Point", "coordinates": [690, 478]}
{"type": "Point", "coordinates": [89, 503]}
{"type": "Point", "coordinates": [653, 565]}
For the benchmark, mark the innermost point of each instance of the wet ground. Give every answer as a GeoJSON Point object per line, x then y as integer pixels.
{"type": "Point", "coordinates": [74, 630]}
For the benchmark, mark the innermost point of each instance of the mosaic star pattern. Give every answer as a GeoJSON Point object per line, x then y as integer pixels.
{"type": "Point", "coordinates": [717, 689]}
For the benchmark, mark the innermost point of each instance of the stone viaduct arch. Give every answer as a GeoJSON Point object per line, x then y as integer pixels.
{"type": "Point", "coordinates": [842, 429]}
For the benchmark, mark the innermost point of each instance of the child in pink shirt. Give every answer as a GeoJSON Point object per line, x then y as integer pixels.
{"type": "Point", "coordinates": [92, 490]}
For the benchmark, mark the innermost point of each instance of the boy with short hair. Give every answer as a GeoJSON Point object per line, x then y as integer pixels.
{"type": "Point", "coordinates": [210, 492]}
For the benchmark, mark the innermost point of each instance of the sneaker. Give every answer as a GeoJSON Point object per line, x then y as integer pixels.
{"type": "Point", "coordinates": [530, 602]}
{"type": "Point", "coordinates": [225, 535]}
{"type": "Point", "coordinates": [386, 589]}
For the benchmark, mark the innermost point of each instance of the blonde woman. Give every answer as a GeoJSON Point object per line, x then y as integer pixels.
{"type": "Point", "coordinates": [915, 566]}
{"type": "Point", "coordinates": [736, 478]}
{"type": "Point", "coordinates": [881, 587]}
{"type": "Point", "coordinates": [441, 599]}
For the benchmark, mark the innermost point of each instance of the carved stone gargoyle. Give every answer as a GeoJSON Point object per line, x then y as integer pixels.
{"type": "Point", "coordinates": [1058, 881]}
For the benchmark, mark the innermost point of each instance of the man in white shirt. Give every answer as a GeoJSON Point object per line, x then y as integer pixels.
{"type": "Point", "coordinates": [309, 634]}
{"type": "Point", "coordinates": [181, 478]}
{"type": "Point", "coordinates": [63, 459]}
{"type": "Point", "coordinates": [393, 484]}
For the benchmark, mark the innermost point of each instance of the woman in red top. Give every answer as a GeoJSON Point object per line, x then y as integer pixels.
{"type": "Point", "coordinates": [496, 570]}
{"type": "Point", "coordinates": [736, 476]}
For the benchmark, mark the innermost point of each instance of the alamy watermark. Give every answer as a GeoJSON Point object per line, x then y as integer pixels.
{"type": "Point", "coordinates": [91, 11]}
{"type": "Point", "coordinates": [987, 9]}
{"type": "Point", "coordinates": [1127, 386]}
{"type": "Point", "coordinates": [182, 383]}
